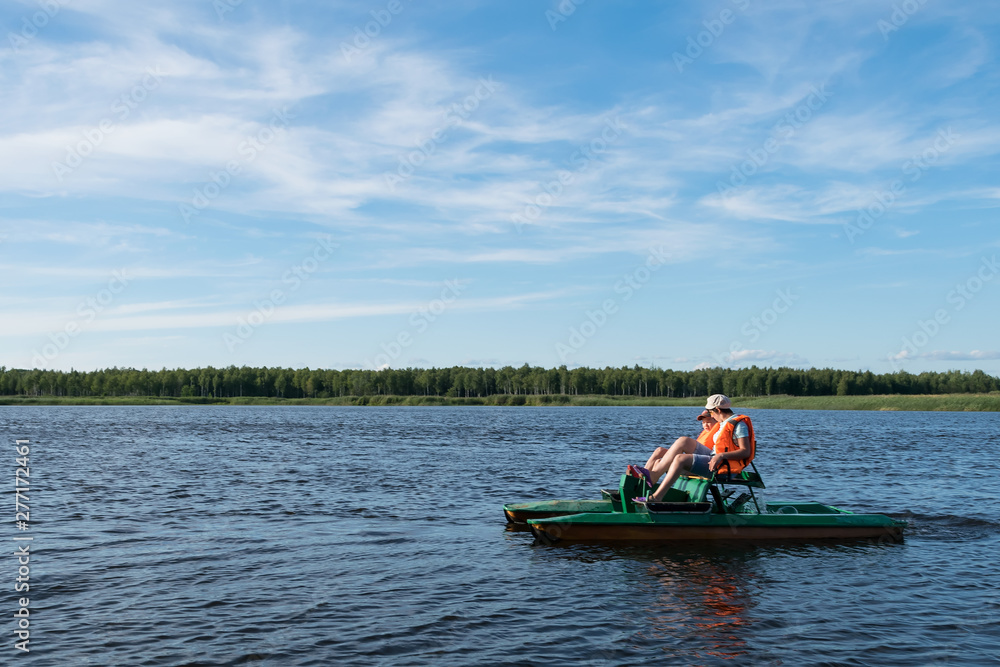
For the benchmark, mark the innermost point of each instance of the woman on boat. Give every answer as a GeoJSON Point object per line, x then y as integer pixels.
{"type": "Point", "coordinates": [728, 447]}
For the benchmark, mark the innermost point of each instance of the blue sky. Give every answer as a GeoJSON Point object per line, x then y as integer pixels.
{"type": "Point", "coordinates": [361, 184]}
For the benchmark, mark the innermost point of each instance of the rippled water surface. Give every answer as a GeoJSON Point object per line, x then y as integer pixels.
{"type": "Point", "coordinates": [343, 536]}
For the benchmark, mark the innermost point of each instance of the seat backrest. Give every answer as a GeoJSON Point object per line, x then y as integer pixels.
{"type": "Point", "coordinates": [694, 489]}
{"type": "Point", "coordinates": [746, 477]}
{"type": "Point", "coordinates": [628, 488]}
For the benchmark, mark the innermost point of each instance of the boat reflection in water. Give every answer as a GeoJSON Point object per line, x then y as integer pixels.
{"type": "Point", "coordinates": [701, 604]}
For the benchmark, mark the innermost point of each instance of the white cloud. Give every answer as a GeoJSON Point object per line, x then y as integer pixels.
{"type": "Point", "coordinates": [941, 355]}
{"type": "Point", "coordinates": [133, 318]}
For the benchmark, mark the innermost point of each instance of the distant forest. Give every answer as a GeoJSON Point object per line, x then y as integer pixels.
{"type": "Point", "coordinates": [460, 381]}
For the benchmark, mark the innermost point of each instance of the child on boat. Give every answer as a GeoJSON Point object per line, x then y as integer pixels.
{"type": "Point", "coordinates": [654, 462]}
{"type": "Point", "coordinates": [727, 447]}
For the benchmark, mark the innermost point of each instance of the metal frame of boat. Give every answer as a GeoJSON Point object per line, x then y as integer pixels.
{"type": "Point", "coordinates": [687, 513]}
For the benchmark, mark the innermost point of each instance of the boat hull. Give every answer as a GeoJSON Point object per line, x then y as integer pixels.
{"type": "Point", "coordinates": [520, 513]}
{"type": "Point", "coordinates": [801, 521]}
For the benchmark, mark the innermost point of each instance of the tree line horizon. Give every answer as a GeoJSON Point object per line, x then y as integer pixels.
{"type": "Point", "coordinates": [467, 382]}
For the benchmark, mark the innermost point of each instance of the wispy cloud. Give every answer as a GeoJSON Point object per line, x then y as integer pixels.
{"type": "Point", "coordinates": [941, 355]}
{"type": "Point", "coordinates": [744, 358]}
{"type": "Point", "coordinates": [205, 314]}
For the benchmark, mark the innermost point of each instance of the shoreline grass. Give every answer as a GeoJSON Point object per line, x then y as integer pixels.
{"type": "Point", "coordinates": [891, 402]}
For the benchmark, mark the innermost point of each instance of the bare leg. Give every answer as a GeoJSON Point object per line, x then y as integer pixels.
{"type": "Point", "coordinates": [656, 456]}
{"type": "Point", "coordinates": [662, 464]}
{"type": "Point", "coordinates": [680, 465]}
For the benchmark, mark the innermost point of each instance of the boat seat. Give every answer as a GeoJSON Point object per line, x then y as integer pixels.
{"type": "Point", "coordinates": [684, 490]}
{"type": "Point", "coordinates": [688, 489]}
{"type": "Point", "coordinates": [615, 496]}
{"type": "Point", "coordinates": [743, 478]}
{"type": "Point", "coordinates": [628, 488]}
{"type": "Point", "coordinates": [749, 478]}
{"type": "Point", "coordinates": [679, 508]}
{"type": "Point", "coordinates": [695, 489]}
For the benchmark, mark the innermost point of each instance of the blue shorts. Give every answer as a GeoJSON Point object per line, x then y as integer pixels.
{"type": "Point", "coordinates": [702, 457]}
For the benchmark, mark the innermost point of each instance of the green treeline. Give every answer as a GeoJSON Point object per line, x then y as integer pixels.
{"type": "Point", "coordinates": [462, 382]}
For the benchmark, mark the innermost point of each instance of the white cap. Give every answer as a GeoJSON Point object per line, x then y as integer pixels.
{"type": "Point", "coordinates": [717, 402]}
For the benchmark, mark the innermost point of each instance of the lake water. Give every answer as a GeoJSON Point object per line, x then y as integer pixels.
{"type": "Point", "coordinates": [359, 536]}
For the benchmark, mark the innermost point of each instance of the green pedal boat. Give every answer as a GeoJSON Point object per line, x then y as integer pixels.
{"type": "Point", "coordinates": [721, 508]}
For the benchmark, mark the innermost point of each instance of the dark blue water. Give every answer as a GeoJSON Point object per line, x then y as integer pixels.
{"type": "Point", "coordinates": [357, 536]}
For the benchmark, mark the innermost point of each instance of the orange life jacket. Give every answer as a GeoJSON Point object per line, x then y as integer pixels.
{"type": "Point", "coordinates": [704, 436]}
{"type": "Point", "coordinates": [722, 439]}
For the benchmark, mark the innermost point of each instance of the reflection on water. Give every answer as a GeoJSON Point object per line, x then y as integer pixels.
{"type": "Point", "coordinates": [701, 601]}
{"type": "Point", "coordinates": [743, 603]}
